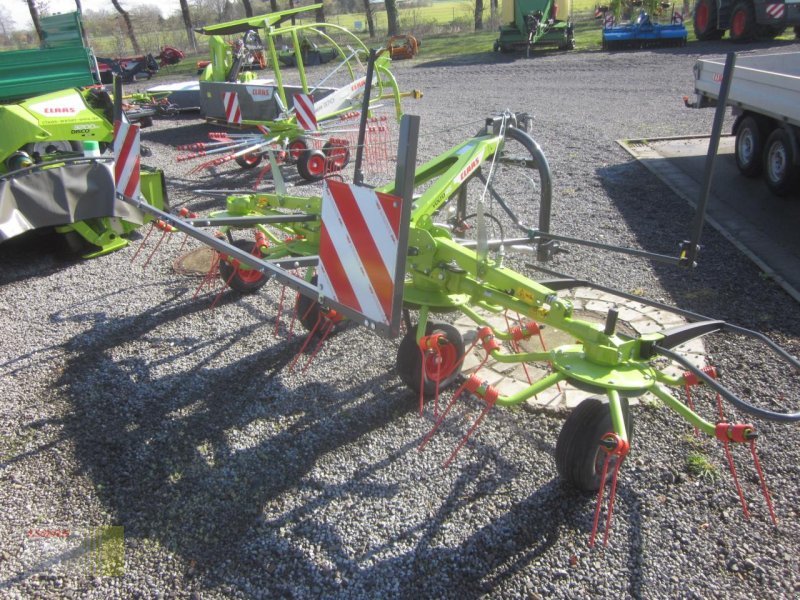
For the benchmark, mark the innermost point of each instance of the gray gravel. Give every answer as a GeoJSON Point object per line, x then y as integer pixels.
{"type": "Point", "coordinates": [127, 401]}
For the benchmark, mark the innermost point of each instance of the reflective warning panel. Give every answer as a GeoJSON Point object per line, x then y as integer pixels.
{"type": "Point", "coordinates": [361, 267]}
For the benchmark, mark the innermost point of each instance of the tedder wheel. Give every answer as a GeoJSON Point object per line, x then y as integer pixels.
{"type": "Point", "coordinates": [311, 165]}
{"type": "Point", "coordinates": [242, 279]}
{"type": "Point", "coordinates": [337, 154]}
{"type": "Point", "coordinates": [749, 144]}
{"type": "Point", "coordinates": [743, 22]}
{"type": "Point", "coordinates": [579, 456]}
{"type": "Point", "coordinates": [780, 172]}
{"type": "Point", "coordinates": [248, 161]}
{"type": "Point", "coordinates": [409, 359]}
{"type": "Point", "coordinates": [298, 148]}
{"type": "Point", "coordinates": [705, 21]}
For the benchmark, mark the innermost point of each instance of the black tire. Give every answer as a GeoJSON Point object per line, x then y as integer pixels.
{"type": "Point", "coordinates": [579, 456]}
{"type": "Point", "coordinates": [249, 161]}
{"type": "Point", "coordinates": [780, 171]}
{"type": "Point", "coordinates": [705, 21]}
{"type": "Point", "coordinates": [312, 165]}
{"type": "Point", "coordinates": [409, 359]}
{"type": "Point", "coordinates": [308, 310]}
{"type": "Point", "coordinates": [297, 148]}
{"type": "Point", "coordinates": [797, 31]}
{"type": "Point", "coordinates": [241, 279]}
{"type": "Point", "coordinates": [750, 135]}
{"type": "Point", "coordinates": [743, 22]}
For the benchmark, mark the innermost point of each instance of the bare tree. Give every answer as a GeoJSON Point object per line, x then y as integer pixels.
{"type": "Point", "coordinates": [273, 5]}
{"type": "Point", "coordinates": [79, 6]}
{"type": "Point", "coordinates": [392, 17]}
{"type": "Point", "coordinates": [320, 14]}
{"type": "Point", "coordinates": [127, 18]}
{"type": "Point", "coordinates": [187, 22]}
{"type": "Point", "coordinates": [248, 9]}
{"type": "Point", "coordinates": [478, 15]}
{"type": "Point", "coordinates": [370, 19]}
{"type": "Point", "coordinates": [6, 24]}
{"type": "Point", "coordinates": [33, 7]}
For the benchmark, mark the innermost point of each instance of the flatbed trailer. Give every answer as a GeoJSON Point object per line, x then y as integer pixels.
{"type": "Point", "coordinates": [765, 98]}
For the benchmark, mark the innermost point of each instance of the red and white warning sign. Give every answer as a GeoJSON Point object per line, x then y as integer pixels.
{"type": "Point", "coordinates": [608, 22]}
{"type": "Point", "coordinates": [776, 11]}
{"type": "Point", "coordinates": [304, 109]}
{"type": "Point", "coordinates": [232, 112]}
{"type": "Point", "coordinates": [358, 250]}
{"type": "Point", "coordinates": [126, 158]}
{"type": "Point", "coordinates": [677, 18]}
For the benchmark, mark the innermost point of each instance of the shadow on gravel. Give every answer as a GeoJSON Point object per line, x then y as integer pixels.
{"type": "Point", "coordinates": [212, 459]}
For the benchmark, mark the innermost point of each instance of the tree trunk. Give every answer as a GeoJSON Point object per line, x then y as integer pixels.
{"type": "Point", "coordinates": [273, 5]}
{"type": "Point", "coordinates": [248, 9]}
{"type": "Point", "coordinates": [35, 18]}
{"type": "Point", "coordinates": [187, 22]}
{"type": "Point", "coordinates": [392, 17]}
{"type": "Point", "coordinates": [478, 15]}
{"type": "Point", "coordinates": [79, 6]}
{"type": "Point", "coordinates": [320, 14]}
{"type": "Point", "coordinates": [127, 18]}
{"type": "Point", "coordinates": [370, 20]}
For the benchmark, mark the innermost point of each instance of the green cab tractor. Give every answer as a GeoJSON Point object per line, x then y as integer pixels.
{"type": "Point", "coordinates": [528, 23]}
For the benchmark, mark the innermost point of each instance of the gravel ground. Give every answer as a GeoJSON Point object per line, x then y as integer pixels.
{"type": "Point", "coordinates": [127, 401]}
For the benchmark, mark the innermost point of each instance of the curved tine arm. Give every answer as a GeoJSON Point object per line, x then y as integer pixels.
{"type": "Point", "coordinates": [726, 393]}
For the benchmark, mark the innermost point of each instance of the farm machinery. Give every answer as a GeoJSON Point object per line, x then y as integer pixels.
{"type": "Point", "coordinates": [52, 172]}
{"type": "Point", "coordinates": [435, 241]}
{"type": "Point", "coordinates": [642, 31]}
{"type": "Point", "coordinates": [529, 23]}
{"type": "Point", "coordinates": [303, 123]}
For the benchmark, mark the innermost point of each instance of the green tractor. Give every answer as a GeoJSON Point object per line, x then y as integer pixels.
{"type": "Point", "coordinates": [528, 23]}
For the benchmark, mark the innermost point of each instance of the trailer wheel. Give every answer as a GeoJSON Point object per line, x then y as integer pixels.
{"type": "Point", "coordinates": [743, 22]}
{"type": "Point", "coordinates": [311, 165]}
{"type": "Point", "coordinates": [249, 161]}
{"type": "Point", "coordinates": [750, 136]}
{"type": "Point", "coordinates": [409, 359]}
{"type": "Point", "coordinates": [797, 31]}
{"type": "Point", "coordinates": [579, 456]}
{"type": "Point", "coordinates": [243, 279]}
{"type": "Point", "coordinates": [705, 21]}
{"type": "Point", "coordinates": [780, 170]}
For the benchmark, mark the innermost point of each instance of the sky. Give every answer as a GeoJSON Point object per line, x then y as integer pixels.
{"type": "Point", "coordinates": [22, 16]}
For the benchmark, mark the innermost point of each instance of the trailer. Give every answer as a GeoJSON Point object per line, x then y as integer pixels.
{"type": "Point", "coordinates": [765, 98]}
{"type": "Point", "coordinates": [745, 20]}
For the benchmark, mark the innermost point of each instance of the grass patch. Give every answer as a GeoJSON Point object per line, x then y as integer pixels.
{"type": "Point", "coordinates": [699, 466]}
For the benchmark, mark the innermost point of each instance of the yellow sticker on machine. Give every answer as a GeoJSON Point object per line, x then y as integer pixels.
{"type": "Point", "coordinates": [526, 296]}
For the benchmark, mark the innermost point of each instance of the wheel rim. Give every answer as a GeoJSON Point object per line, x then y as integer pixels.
{"type": "Point", "coordinates": [251, 159]}
{"type": "Point", "coordinates": [777, 163]}
{"type": "Point", "coordinates": [701, 16]}
{"type": "Point", "coordinates": [747, 146]}
{"type": "Point", "coordinates": [738, 23]}
{"type": "Point", "coordinates": [442, 371]}
{"type": "Point", "coordinates": [338, 155]}
{"type": "Point", "coordinates": [246, 274]}
{"type": "Point", "coordinates": [316, 165]}
{"type": "Point", "coordinates": [296, 148]}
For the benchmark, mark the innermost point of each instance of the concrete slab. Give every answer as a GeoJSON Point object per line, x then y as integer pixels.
{"type": "Point", "coordinates": [760, 224]}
